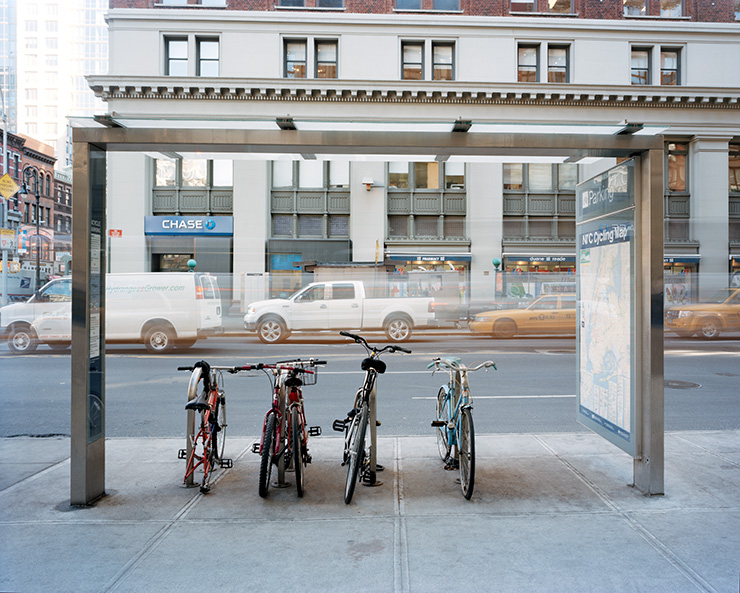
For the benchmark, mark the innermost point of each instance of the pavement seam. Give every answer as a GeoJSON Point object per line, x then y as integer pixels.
{"type": "Point", "coordinates": [705, 450]}
{"type": "Point", "coordinates": [672, 558]}
{"type": "Point", "coordinates": [401, 582]}
{"type": "Point", "coordinates": [33, 477]}
{"type": "Point", "coordinates": [115, 582]}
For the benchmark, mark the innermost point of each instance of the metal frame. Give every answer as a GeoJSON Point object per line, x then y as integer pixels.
{"type": "Point", "coordinates": [90, 148]}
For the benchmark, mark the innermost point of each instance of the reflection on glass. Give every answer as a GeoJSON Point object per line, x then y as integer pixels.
{"type": "Point", "coordinates": [560, 6]}
{"type": "Point", "coordinates": [310, 174]}
{"type": "Point", "coordinates": [426, 175]}
{"type": "Point", "coordinates": [398, 175]}
{"type": "Point", "coordinates": [567, 176]}
{"type": "Point", "coordinates": [669, 67]}
{"type": "Point", "coordinates": [539, 177]}
{"type": "Point", "coordinates": [635, 7]}
{"type": "Point", "coordinates": [326, 59]}
{"type": "Point", "coordinates": [413, 61]}
{"type": "Point", "coordinates": [527, 64]}
{"type": "Point", "coordinates": [194, 172]}
{"type": "Point", "coordinates": [295, 59]}
{"type": "Point", "coordinates": [223, 173]}
{"type": "Point", "coordinates": [282, 174]}
{"type": "Point", "coordinates": [442, 59]}
{"type": "Point", "coordinates": [671, 8]}
{"type": "Point", "coordinates": [454, 175]}
{"type": "Point", "coordinates": [513, 176]}
{"type": "Point", "coordinates": [522, 5]}
{"type": "Point", "coordinates": [640, 66]}
{"type": "Point", "coordinates": [339, 174]}
{"type": "Point", "coordinates": [557, 64]}
{"type": "Point", "coordinates": [165, 173]}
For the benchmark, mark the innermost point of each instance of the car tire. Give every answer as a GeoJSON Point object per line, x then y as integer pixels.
{"type": "Point", "coordinates": [271, 330]}
{"type": "Point", "coordinates": [159, 339]}
{"type": "Point", "coordinates": [398, 329]}
{"type": "Point", "coordinates": [22, 339]}
{"type": "Point", "coordinates": [504, 328]}
{"type": "Point", "coordinates": [709, 328]}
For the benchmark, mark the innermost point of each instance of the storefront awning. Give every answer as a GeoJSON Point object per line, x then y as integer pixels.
{"type": "Point", "coordinates": [428, 257]}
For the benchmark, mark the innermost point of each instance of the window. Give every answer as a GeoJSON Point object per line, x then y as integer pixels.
{"type": "Point", "coordinates": [635, 7]}
{"type": "Point", "coordinates": [176, 56]}
{"type": "Point", "coordinates": [669, 67]}
{"type": "Point", "coordinates": [330, 3]}
{"type": "Point", "coordinates": [677, 155]}
{"type": "Point", "coordinates": [641, 66]}
{"type": "Point", "coordinates": [292, 3]}
{"type": "Point", "coordinates": [671, 8]}
{"type": "Point", "coordinates": [295, 59]}
{"type": "Point", "coordinates": [408, 4]}
{"type": "Point", "coordinates": [677, 205]}
{"type": "Point", "coordinates": [557, 64]}
{"type": "Point", "coordinates": [549, 6]}
{"type": "Point", "coordinates": [528, 63]}
{"type": "Point", "coordinates": [326, 59]}
{"type": "Point", "coordinates": [343, 291]}
{"type": "Point", "coordinates": [442, 61]}
{"type": "Point", "coordinates": [734, 162]}
{"type": "Point", "coordinates": [448, 5]}
{"type": "Point", "coordinates": [737, 10]}
{"type": "Point", "coordinates": [208, 57]}
{"type": "Point", "coordinates": [412, 67]}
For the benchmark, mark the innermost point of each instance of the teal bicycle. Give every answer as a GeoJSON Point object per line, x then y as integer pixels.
{"type": "Point", "coordinates": [454, 423]}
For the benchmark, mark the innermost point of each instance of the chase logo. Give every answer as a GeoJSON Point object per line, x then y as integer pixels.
{"type": "Point", "coordinates": [210, 224]}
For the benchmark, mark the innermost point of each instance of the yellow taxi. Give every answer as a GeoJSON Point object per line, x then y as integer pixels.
{"type": "Point", "coordinates": [552, 314]}
{"type": "Point", "coordinates": [719, 314]}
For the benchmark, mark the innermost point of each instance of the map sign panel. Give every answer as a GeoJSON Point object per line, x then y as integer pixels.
{"type": "Point", "coordinates": [606, 305]}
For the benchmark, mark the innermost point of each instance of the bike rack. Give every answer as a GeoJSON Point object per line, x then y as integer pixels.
{"type": "Point", "coordinates": [192, 394]}
{"type": "Point", "coordinates": [373, 437]}
{"type": "Point", "coordinates": [282, 399]}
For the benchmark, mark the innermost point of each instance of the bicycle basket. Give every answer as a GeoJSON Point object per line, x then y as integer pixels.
{"type": "Point", "coordinates": [310, 378]}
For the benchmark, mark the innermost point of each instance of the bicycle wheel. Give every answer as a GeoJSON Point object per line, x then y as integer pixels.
{"type": "Point", "coordinates": [219, 434]}
{"type": "Point", "coordinates": [268, 450]}
{"type": "Point", "coordinates": [443, 415]}
{"type": "Point", "coordinates": [209, 457]}
{"type": "Point", "coordinates": [467, 453]}
{"type": "Point", "coordinates": [296, 433]}
{"type": "Point", "coordinates": [357, 452]}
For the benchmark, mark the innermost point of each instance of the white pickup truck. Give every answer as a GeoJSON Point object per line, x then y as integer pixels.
{"type": "Point", "coordinates": [335, 306]}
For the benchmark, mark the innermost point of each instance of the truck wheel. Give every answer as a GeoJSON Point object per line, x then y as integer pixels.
{"type": "Point", "coordinates": [504, 328]}
{"type": "Point", "coordinates": [22, 339]}
{"type": "Point", "coordinates": [271, 331]}
{"type": "Point", "coordinates": [398, 329]}
{"type": "Point", "coordinates": [709, 328]}
{"type": "Point", "coordinates": [159, 339]}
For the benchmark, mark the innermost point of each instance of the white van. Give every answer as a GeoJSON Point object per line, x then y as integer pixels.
{"type": "Point", "coordinates": [160, 310]}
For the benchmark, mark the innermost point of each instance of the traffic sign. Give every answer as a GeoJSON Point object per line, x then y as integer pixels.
{"type": "Point", "coordinates": [8, 187]}
{"type": "Point", "coordinates": [115, 233]}
{"type": "Point", "coordinates": [7, 239]}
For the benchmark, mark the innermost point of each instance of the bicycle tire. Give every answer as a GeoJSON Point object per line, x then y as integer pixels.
{"type": "Point", "coordinates": [466, 453]}
{"type": "Point", "coordinates": [357, 452]}
{"type": "Point", "coordinates": [268, 451]}
{"type": "Point", "coordinates": [443, 415]}
{"type": "Point", "coordinates": [219, 435]}
{"type": "Point", "coordinates": [209, 454]}
{"type": "Point", "coordinates": [296, 434]}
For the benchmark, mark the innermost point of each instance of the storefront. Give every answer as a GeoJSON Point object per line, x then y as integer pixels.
{"type": "Point", "coordinates": [735, 270]}
{"type": "Point", "coordinates": [529, 275]}
{"type": "Point", "coordinates": [443, 276]}
{"type": "Point", "coordinates": [681, 278]}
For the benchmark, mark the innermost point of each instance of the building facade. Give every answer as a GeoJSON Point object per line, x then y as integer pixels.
{"type": "Point", "coordinates": [447, 223]}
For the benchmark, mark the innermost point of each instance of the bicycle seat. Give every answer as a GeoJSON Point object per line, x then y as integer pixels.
{"type": "Point", "coordinates": [293, 382]}
{"type": "Point", "coordinates": [373, 363]}
{"type": "Point", "coordinates": [199, 404]}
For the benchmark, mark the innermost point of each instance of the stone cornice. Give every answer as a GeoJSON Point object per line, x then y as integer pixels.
{"type": "Point", "coordinates": [229, 89]}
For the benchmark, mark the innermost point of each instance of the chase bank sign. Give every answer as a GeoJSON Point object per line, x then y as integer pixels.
{"type": "Point", "coordinates": [215, 226]}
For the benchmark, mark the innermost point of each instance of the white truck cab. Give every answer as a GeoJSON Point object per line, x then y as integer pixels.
{"type": "Point", "coordinates": [160, 310]}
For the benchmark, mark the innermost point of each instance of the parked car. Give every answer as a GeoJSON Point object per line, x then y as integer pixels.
{"type": "Point", "coordinates": [719, 314]}
{"type": "Point", "coordinates": [160, 310]}
{"type": "Point", "coordinates": [335, 306]}
{"type": "Point", "coordinates": [553, 314]}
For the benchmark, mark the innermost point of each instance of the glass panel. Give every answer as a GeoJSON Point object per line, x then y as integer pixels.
{"type": "Point", "coordinates": [513, 227]}
{"type": "Point", "coordinates": [635, 7]}
{"type": "Point", "coordinates": [339, 174]}
{"type": "Point", "coordinates": [539, 177]}
{"type": "Point", "coordinates": [310, 174]}
{"type": "Point", "coordinates": [540, 228]}
{"type": "Point", "coordinates": [442, 59]}
{"type": "Point", "coordinates": [339, 225]}
{"type": "Point", "coordinates": [426, 226]}
{"type": "Point", "coordinates": [522, 5]}
{"type": "Point", "coordinates": [398, 175]}
{"type": "Point", "coordinates": [295, 59]}
{"type": "Point", "coordinates": [165, 173]}
{"type": "Point", "coordinates": [398, 226]}
{"type": "Point", "coordinates": [209, 50]}
{"type": "Point", "coordinates": [343, 291]}
{"type": "Point", "coordinates": [455, 175]}
{"type": "Point", "coordinates": [292, 3]}
{"type": "Point", "coordinates": [282, 174]}
{"type": "Point", "coordinates": [223, 173]}
{"type": "Point", "coordinates": [640, 66]}
{"type": "Point", "coordinates": [177, 49]}
{"type": "Point", "coordinates": [208, 68]}
{"type": "Point", "coordinates": [677, 172]}
{"type": "Point", "coordinates": [326, 59]}
{"type": "Point", "coordinates": [408, 4]}
{"type": "Point", "coordinates": [566, 229]}
{"type": "Point", "coordinates": [513, 176]}
{"type": "Point", "coordinates": [310, 225]}
{"type": "Point", "coordinates": [454, 227]}
{"type": "Point", "coordinates": [412, 61]}
{"type": "Point", "coordinates": [669, 67]}
{"type": "Point", "coordinates": [560, 6]}
{"type": "Point", "coordinates": [426, 175]}
{"type": "Point", "coordinates": [282, 225]}
{"type": "Point", "coordinates": [527, 64]}
{"type": "Point", "coordinates": [671, 8]}
{"type": "Point", "coordinates": [567, 176]}
{"type": "Point", "coordinates": [557, 60]}
{"type": "Point", "coordinates": [735, 166]}
{"type": "Point", "coordinates": [194, 172]}
{"type": "Point", "coordinates": [446, 5]}
{"type": "Point", "coordinates": [737, 9]}
{"type": "Point", "coordinates": [330, 3]}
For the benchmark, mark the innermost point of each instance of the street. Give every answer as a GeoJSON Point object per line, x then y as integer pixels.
{"type": "Point", "coordinates": [533, 389]}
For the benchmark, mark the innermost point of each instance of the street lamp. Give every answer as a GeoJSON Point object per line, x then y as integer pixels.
{"type": "Point", "coordinates": [32, 173]}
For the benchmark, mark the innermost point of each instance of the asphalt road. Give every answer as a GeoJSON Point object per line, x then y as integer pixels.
{"type": "Point", "coordinates": [533, 389]}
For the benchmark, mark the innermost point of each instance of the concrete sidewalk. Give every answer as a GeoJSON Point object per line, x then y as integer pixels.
{"type": "Point", "coordinates": [550, 513]}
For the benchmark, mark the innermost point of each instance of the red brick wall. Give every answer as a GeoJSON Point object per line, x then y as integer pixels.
{"type": "Point", "coordinates": [711, 11]}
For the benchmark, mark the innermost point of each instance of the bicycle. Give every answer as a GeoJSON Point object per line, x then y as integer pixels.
{"type": "Point", "coordinates": [359, 454]}
{"type": "Point", "coordinates": [284, 440]}
{"type": "Point", "coordinates": [206, 424]}
{"type": "Point", "coordinates": [454, 423]}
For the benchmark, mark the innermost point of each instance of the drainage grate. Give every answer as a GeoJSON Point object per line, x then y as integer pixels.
{"type": "Point", "coordinates": [680, 385]}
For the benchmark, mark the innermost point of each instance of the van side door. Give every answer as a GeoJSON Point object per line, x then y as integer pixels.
{"type": "Point", "coordinates": [209, 303]}
{"type": "Point", "coordinates": [53, 311]}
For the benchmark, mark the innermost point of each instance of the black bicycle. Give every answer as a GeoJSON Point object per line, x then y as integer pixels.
{"type": "Point", "coordinates": [359, 448]}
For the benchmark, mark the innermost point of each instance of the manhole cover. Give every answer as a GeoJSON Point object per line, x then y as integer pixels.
{"type": "Point", "coordinates": [680, 385]}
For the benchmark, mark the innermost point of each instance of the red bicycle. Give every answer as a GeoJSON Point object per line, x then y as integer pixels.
{"type": "Point", "coordinates": [284, 441]}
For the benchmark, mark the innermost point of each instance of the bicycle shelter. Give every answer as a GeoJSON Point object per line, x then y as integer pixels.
{"type": "Point", "coordinates": [92, 144]}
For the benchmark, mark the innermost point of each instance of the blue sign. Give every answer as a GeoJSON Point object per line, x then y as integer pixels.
{"type": "Point", "coordinates": [216, 226]}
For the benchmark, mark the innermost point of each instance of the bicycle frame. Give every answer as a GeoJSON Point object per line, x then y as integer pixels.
{"type": "Point", "coordinates": [457, 398]}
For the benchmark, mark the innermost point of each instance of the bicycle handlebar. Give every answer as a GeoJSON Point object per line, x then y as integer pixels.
{"type": "Point", "coordinates": [455, 365]}
{"type": "Point", "coordinates": [376, 351]}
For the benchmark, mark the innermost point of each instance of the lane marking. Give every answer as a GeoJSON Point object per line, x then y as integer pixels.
{"type": "Point", "coordinates": [475, 397]}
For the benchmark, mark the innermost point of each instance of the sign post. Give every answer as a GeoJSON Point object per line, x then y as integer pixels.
{"type": "Point", "coordinates": [8, 188]}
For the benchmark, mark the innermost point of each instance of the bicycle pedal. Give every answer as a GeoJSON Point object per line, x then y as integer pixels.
{"type": "Point", "coordinates": [182, 454]}
{"type": "Point", "coordinates": [226, 463]}
{"type": "Point", "coordinates": [256, 448]}
{"type": "Point", "coordinates": [438, 423]}
{"type": "Point", "coordinates": [377, 423]}
{"type": "Point", "coordinates": [379, 468]}
{"type": "Point", "coordinates": [340, 425]}
{"type": "Point", "coordinates": [314, 431]}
